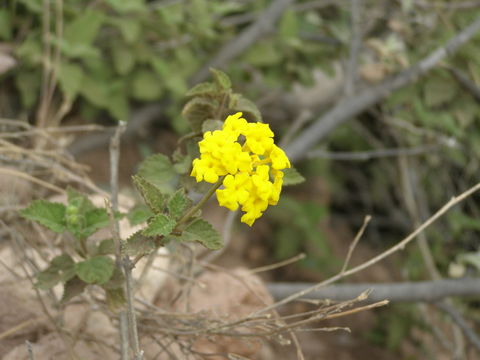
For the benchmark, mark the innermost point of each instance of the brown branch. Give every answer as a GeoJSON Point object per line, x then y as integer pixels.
{"type": "Point", "coordinates": [348, 108]}
{"type": "Point", "coordinates": [426, 291]}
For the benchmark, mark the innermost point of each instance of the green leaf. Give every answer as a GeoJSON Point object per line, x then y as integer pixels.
{"type": "Point", "coordinates": [70, 78]}
{"type": "Point", "coordinates": [78, 200]}
{"type": "Point", "coordinates": [5, 25]}
{"type": "Point", "coordinates": [212, 125]}
{"type": "Point", "coordinates": [288, 25]}
{"type": "Point", "coordinates": [221, 79]}
{"type": "Point", "coordinates": [115, 299]}
{"type": "Point", "coordinates": [72, 288]}
{"type": "Point", "coordinates": [158, 170]}
{"type": "Point", "coordinates": [202, 232]}
{"type": "Point", "coordinates": [178, 203]}
{"type": "Point", "coordinates": [292, 177]}
{"type": "Point", "coordinates": [96, 270]}
{"type": "Point", "coordinates": [62, 268]}
{"type": "Point", "coordinates": [95, 91]}
{"type": "Point", "coordinates": [159, 225]}
{"type": "Point", "coordinates": [94, 220]}
{"type": "Point", "coordinates": [202, 89]}
{"type": "Point", "coordinates": [130, 28]}
{"type": "Point", "coordinates": [28, 84]}
{"type": "Point", "coordinates": [139, 214]}
{"type": "Point", "coordinates": [249, 109]}
{"type": "Point", "coordinates": [84, 28]}
{"type": "Point", "coordinates": [139, 244]}
{"type": "Point", "coordinates": [146, 85]}
{"type": "Point", "coordinates": [197, 110]}
{"type": "Point", "coordinates": [153, 197]}
{"type": "Point", "coordinates": [123, 58]}
{"type": "Point", "coordinates": [49, 214]}
{"type": "Point", "coordinates": [106, 247]}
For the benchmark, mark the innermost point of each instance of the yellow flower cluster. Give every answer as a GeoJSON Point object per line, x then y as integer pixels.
{"type": "Point", "coordinates": [252, 164]}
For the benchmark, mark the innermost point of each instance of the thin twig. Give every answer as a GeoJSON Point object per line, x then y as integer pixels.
{"type": "Point", "coordinates": [355, 45]}
{"type": "Point", "coordinates": [278, 265]}
{"type": "Point", "coordinates": [399, 246]}
{"type": "Point", "coordinates": [29, 350]}
{"type": "Point", "coordinates": [355, 242]}
{"type": "Point", "coordinates": [32, 179]}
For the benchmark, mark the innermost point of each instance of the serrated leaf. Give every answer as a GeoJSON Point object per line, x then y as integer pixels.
{"type": "Point", "coordinates": [94, 220]}
{"type": "Point", "coordinates": [221, 79]}
{"type": "Point", "coordinates": [183, 164]}
{"type": "Point", "coordinates": [61, 269]}
{"type": "Point", "coordinates": [49, 214]}
{"type": "Point", "coordinates": [292, 177]}
{"type": "Point", "coordinates": [158, 170]}
{"type": "Point", "coordinates": [153, 197]}
{"type": "Point", "coordinates": [197, 110]}
{"type": "Point", "coordinates": [96, 270]}
{"type": "Point", "coordinates": [139, 214]}
{"type": "Point", "coordinates": [139, 244]}
{"type": "Point", "coordinates": [116, 281]}
{"type": "Point", "coordinates": [159, 225]}
{"type": "Point", "coordinates": [72, 288]}
{"type": "Point", "coordinates": [115, 299]}
{"type": "Point", "coordinates": [249, 109]}
{"type": "Point", "coordinates": [202, 232]}
{"type": "Point", "coordinates": [212, 125]}
{"type": "Point", "coordinates": [178, 203]}
{"type": "Point", "coordinates": [202, 89]}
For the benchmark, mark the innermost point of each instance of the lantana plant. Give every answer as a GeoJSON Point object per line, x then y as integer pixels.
{"type": "Point", "coordinates": [229, 147]}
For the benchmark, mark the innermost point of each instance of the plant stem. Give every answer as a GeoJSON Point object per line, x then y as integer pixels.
{"type": "Point", "coordinates": [202, 202]}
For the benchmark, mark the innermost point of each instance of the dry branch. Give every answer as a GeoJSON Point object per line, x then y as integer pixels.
{"type": "Point", "coordinates": [426, 291]}
{"type": "Point", "coordinates": [348, 108]}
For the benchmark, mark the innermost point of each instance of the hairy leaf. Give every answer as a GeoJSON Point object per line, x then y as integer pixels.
{"type": "Point", "coordinates": [197, 110]}
{"type": "Point", "coordinates": [115, 299]}
{"type": "Point", "coordinates": [159, 225]}
{"type": "Point", "coordinates": [204, 233]}
{"type": "Point", "coordinates": [139, 244]}
{"type": "Point", "coordinates": [72, 288]}
{"type": "Point", "coordinates": [139, 214]}
{"type": "Point", "coordinates": [153, 197]}
{"type": "Point", "coordinates": [221, 79]}
{"type": "Point", "coordinates": [202, 89]}
{"type": "Point", "coordinates": [249, 109]}
{"type": "Point", "coordinates": [49, 214]}
{"type": "Point", "coordinates": [61, 269]}
{"type": "Point", "coordinates": [96, 270]}
{"type": "Point", "coordinates": [178, 203]}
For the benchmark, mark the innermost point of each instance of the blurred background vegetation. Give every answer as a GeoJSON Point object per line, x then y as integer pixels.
{"type": "Point", "coordinates": [65, 62]}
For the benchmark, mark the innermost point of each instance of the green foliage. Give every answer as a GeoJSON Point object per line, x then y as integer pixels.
{"type": "Point", "coordinates": [61, 269]}
{"type": "Point", "coordinates": [139, 244]}
{"type": "Point", "coordinates": [49, 214]}
{"type": "Point", "coordinates": [73, 287]}
{"type": "Point", "coordinates": [96, 270]}
{"type": "Point", "coordinates": [178, 203]}
{"type": "Point", "coordinates": [152, 196]}
{"type": "Point", "coordinates": [202, 232]}
{"type": "Point", "coordinates": [159, 225]}
{"type": "Point", "coordinates": [292, 177]}
{"type": "Point", "coordinates": [139, 214]}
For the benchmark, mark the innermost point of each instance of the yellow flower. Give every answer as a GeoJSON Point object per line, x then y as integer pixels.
{"type": "Point", "coordinates": [244, 152]}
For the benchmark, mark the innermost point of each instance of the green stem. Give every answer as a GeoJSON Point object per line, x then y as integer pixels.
{"type": "Point", "coordinates": [202, 202]}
